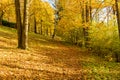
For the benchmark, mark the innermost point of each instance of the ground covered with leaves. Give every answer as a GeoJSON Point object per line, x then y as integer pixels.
{"type": "Point", "coordinates": [50, 60]}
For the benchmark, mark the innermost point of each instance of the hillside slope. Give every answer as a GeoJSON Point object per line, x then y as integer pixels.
{"type": "Point", "coordinates": [50, 60]}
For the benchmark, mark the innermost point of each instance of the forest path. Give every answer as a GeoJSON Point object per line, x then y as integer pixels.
{"type": "Point", "coordinates": [44, 59]}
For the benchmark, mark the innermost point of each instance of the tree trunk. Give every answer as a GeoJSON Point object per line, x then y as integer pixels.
{"type": "Point", "coordinates": [47, 30]}
{"type": "Point", "coordinates": [54, 32]}
{"type": "Point", "coordinates": [18, 23]}
{"type": "Point", "coordinates": [35, 27]}
{"type": "Point", "coordinates": [56, 19]}
{"type": "Point", "coordinates": [87, 27]}
{"type": "Point", "coordinates": [41, 32]}
{"type": "Point", "coordinates": [90, 7]}
{"type": "Point", "coordinates": [86, 17]}
{"type": "Point", "coordinates": [114, 13]}
{"type": "Point", "coordinates": [1, 17]}
{"type": "Point", "coordinates": [28, 27]}
{"type": "Point", "coordinates": [50, 31]}
{"type": "Point", "coordinates": [118, 22]}
{"type": "Point", "coordinates": [118, 17]}
{"type": "Point", "coordinates": [22, 30]}
{"type": "Point", "coordinates": [25, 25]}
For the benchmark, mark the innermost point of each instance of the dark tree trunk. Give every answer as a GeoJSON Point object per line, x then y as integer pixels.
{"type": "Point", "coordinates": [35, 27]}
{"type": "Point", "coordinates": [54, 32]}
{"type": "Point", "coordinates": [90, 7]}
{"type": "Point", "coordinates": [41, 32]}
{"type": "Point", "coordinates": [28, 27]}
{"type": "Point", "coordinates": [47, 31]}
{"type": "Point", "coordinates": [118, 22]}
{"type": "Point", "coordinates": [18, 23]}
{"type": "Point", "coordinates": [1, 17]}
{"type": "Point", "coordinates": [50, 31]}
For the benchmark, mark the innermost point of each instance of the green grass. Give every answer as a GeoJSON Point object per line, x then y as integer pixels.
{"type": "Point", "coordinates": [50, 60]}
{"type": "Point", "coordinates": [101, 70]}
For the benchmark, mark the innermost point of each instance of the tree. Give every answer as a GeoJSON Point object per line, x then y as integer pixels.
{"type": "Point", "coordinates": [4, 6]}
{"type": "Point", "coordinates": [118, 16]}
{"type": "Point", "coordinates": [22, 28]}
{"type": "Point", "coordinates": [35, 26]}
{"type": "Point", "coordinates": [56, 18]}
{"type": "Point", "coordinates": [25, 23]}
{"type": "Point", "coordinates": [41, 17]}
{"type": "Point", "coordinates": [18, 23]}
{"type": "Point", "coordinates": [86, 18]}
{"type": "Point", "coordinates": [1, 16]}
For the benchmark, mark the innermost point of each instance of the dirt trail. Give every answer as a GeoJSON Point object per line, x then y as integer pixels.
{"type": "Point", "coordinates": [44, 59]}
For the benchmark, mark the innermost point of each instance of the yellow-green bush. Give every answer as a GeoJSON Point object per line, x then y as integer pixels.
{"type": "Point", "coordinates": [105, 42]}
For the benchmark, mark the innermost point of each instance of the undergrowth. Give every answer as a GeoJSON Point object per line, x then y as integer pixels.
{"type": "Point", "coordinates": [51, 60]}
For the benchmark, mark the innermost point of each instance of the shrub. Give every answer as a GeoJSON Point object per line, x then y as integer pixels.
{"type": "Point", "coordinates": [8, 24]}
{"type": "Point", "coordinates": [105, 42]}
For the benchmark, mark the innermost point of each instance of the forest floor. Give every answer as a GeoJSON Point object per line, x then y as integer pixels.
{"type": "Point", "coordinates": [50, 60]}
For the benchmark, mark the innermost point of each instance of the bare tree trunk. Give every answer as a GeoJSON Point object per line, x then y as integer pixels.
{"type": "Point", "coordinates": [47, 30]}
{"type": "Point", "coordinates": [28, 27]}
{"type": "Point", "coordinates": [56, 19]}
{"type": "Point", "coordinates": [118, 22]}
{"type": "Point", "coordinates": [18, 23]}
{"type": "Point", "coordinates": [1, 17]}
{"type": "Point", "coordinates": [90, 11]}
{"type": "Point", "coordinates": [25, 25]}
{"type": "Point", "coordinates": [83, 20]}
{"type": "Point", "coordinates": [86, 17]}
{"type": "Point", "coordinates": [41, 32]}
{"type": "Point", "coordinates": [87, 27]}
{"type": "Point", "coordinates": [54, 32]}
{"type": "Point", "coordinates": [50, 31]}
{"type": "Point", "coordinates": [35, 27]}
{"type": "Point", "coordinates": [118, 17]}
{"type": "Point", "coordinates": [114, 13]}
{"type": "Point", "coordinates": [22, 29]}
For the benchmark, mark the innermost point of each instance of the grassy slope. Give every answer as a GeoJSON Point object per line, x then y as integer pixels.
{"type": "Point", "coordinates": [47, 59]}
